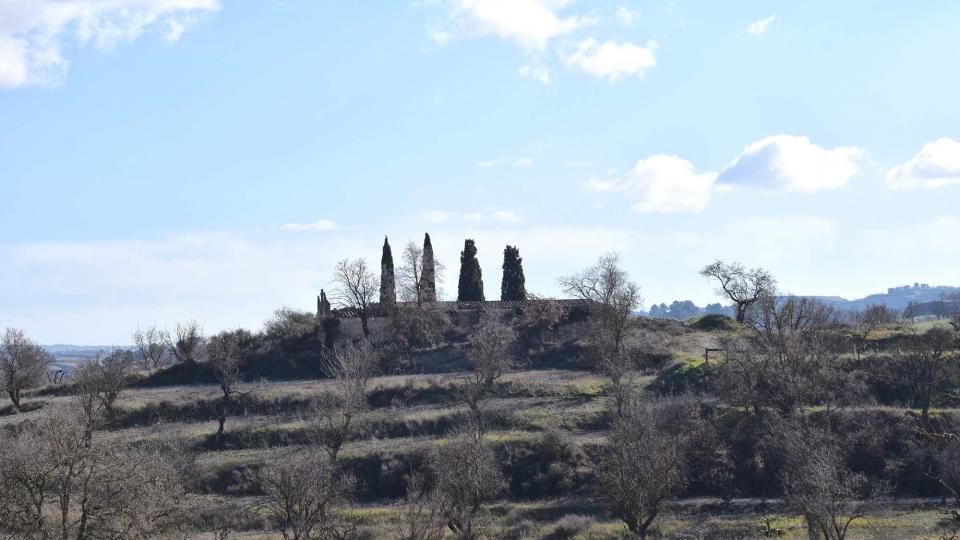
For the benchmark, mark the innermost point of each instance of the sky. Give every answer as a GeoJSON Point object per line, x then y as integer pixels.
{"type": "Point", "coordinates": [167, 160]}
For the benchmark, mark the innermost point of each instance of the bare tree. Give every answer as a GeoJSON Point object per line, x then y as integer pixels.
{"type": "Point", "coordinates": [742, 286]}
{"type": "Point", "coordinates": [301, 490]}
{"type": "Point", "coordinates": [356, 287]}
{"type": "Point", "coordinates": [928, 369]}
{"type": "Point", "coordinates": [944, 446]}
{"type": "Point", "coordinates": [490, 356]}
{"type": "Point", "coordinates": [225, 352]}
{"type": "Point", "coordinates": [863, 323]}
{"type": "Point", "coordinates": [410, 275]}
{"type": "Point", "coordinates": [152, 346]}
{"type": "Point", "coordinates": [23, 363]}
{"type": "Point", "coordinates": [818, 484]}
{"type": "Point", "coordinates": [188, 342]}
{"type": "Point", "coordinates": [614, 298]}
{"type": "Point", "coordinates": [335, 412]}
{"type": "Point", "coordinates": [786, 362]}
{"type": "Point", "coordinates": [100, 382]}
{"type": "Point", "coordinates": [952, 302]}
{"type": "Point", "coordinates": [421, 517]}
{"type": "Point", "coordinates": [59, 480]}
{"type": "Point", "coordinates": [645, 459]}
{"type": "Point", "coordinates": [466, 476]}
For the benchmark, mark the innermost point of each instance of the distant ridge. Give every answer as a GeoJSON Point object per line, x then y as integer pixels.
{"type": "Point", "coordinates": [895, 297]}
{"type": "Point", "coordinates": [926, 300]}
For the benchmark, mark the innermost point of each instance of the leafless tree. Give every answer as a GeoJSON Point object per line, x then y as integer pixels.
{"type": "Point", "coordinates": [357, 287]}
{"type": "Point", "coordinates": [911, 310]}
{"type": "Point", "coordinates": [335, 412]}
{"type": "Point", "coordinates": [645, 459]}
{"type": "Point", "coordinates": [188, 343]}
{"type": "Point", "coordinates": [421, 517]}
{"type": "Point", "coordinates": [952, 302]}
{"type": "Point", "coordinates": [618, 367]}
{"type": "Point", "coordinates": [23, 363]}
{"type": "Point", "coordinates": [614, 298]}
{"type": "Point", "coordinates": [818, 484]}
{"type": "Point", "coordinates": [152, 346]}
{"type": "Point", "coordinates": [225, 352]}
{"type": "Point", "coordinates": [742, 286]}
{"type": "Point", "coordinates": [490, 355]}
{"type": "Point", "coordinates": [944, 446]}
{"type": "Point", "coordinates": [99, 382]}
{"type": "Point", "coordinates": [59, 480]}
{"type": "Point", "coordinates": [786, 363]}
{"type": "Point", "coordinates": [301, 490]}
{"type": "Point", "coordinates": [924, 360]}
{"type": "Point", "coordinates": [410, 278]}
{"type": "Point", "coordinates": [863, 323]}
{"type": "Point", "coordinates": [466, 476]}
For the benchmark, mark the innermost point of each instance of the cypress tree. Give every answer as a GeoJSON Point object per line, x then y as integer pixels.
{"type": "Point", "coordinates": [513, 286]}
{"type": "Point", "coordinates": [471, 279]}
{"type": "Point", "coordinates": [388, 287]}
{"type": "Point", "coordinates": [428, 276]}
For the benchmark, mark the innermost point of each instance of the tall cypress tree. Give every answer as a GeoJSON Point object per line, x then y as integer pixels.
{"type": "Point", "coordinates": [388, 286]}
{"type": "Point", "coordinates": [428, 276]}
{"type": "Point", "coordinates": [513, 286]}
{"type": "Point", "coordinates": [471, 279]}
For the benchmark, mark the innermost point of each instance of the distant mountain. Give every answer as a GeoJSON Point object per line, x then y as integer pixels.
{"type": "Point", "coordinates": [81, 350]}
{"type": "Point", "coordinates": [927, 300]}
{"type": "Point", "coordinates": [897, 298]}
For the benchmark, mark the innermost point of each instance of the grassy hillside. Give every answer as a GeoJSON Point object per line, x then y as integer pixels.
{"type": "Point", "coordinates": [551, 394]}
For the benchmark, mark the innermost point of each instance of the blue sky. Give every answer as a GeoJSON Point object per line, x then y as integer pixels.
{"type": "Point", "coordinates": [165, 160]}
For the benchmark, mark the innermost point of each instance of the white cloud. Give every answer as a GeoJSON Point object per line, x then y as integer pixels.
{"type": "Point", "coordinates": [319, 225]}
{"type": "Point", "coordinates": [505, 216]}
{"type": "Point", "coordinates": [663, 184]}
{"type": "Point", "coordinates": [937, 165]}
{"type": "Point", "coordinates": [612, 60]}
{"type": "Point", "coordinates": [626, 16]}
{"type": "Point", "coordinates": [537, 72]}
{"type": "Point", "coordinates": [524, 162]}
{"type": "Point", "coordinates": [530, 24]}
{"type": "Point", "coordinates": [501, 216]}
{"type": "Point", "coordinates": [436, 216]}
{"type": "Point", "coordinates": [489, 163]}
{"type": "Point", "coordinates": [789, 163]}
{"type": "Point", "coordinates": [759, 27]}
{"type": "Point", "coordinates": [35, 35]}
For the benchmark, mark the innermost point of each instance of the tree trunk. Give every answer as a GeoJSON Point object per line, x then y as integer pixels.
{"type": "Point", "coordinates": [15, 398]}
{"type": "Point", "coordinates": [366, 328]}
{"type": "Point", "coordinates": [741, 312]}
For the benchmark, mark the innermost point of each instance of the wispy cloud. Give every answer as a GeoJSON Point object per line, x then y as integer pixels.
{"type": "Point", "coordinates": [612, 60]}
{"type": "Point", "coordinates": [626, 16]}
{"type": "Point", "coordinates": [318, 225]}
{"type": "Point", "coordinates": [531, 24]}
{"type": "Point", "coordinates": [35, 33]}
{"type": "Point", "coordinates": [759, 27]}
{"type": "Point", "coordinates": [537, 72]}
{"type": "Point", "coordinates": [500, 216]}
{"type": "Point", "coordinates": [524, 162]}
